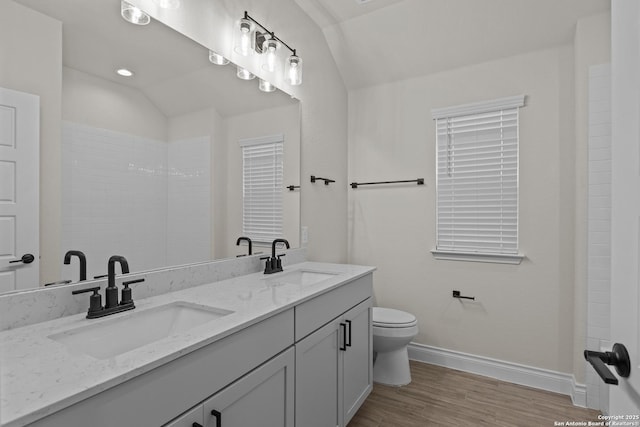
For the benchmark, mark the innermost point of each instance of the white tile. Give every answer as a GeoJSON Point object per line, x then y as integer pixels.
{"type": "Point", "coordinates": [600, 190]}
{"type": "Point", "coordinates": [603, 141]}
{"type": "Point", "coordinates": [600, 214]}
{"type": "Point", "coordinates": [601, 297]}
{"type": "Point", "coordinates": [600, 166]}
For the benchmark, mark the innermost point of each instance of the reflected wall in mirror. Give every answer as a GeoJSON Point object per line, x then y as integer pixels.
{"type": "Point", "coordinates": [151, 164]}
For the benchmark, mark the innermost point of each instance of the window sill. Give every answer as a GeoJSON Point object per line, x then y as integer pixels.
{"type": "Point", "coordinates": [477, 257]}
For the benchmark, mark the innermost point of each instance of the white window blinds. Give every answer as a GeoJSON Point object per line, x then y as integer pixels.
{"type": "Point", "coordinates": [477, 177]}
{"type": "Point", "coordinates": [262, 187]}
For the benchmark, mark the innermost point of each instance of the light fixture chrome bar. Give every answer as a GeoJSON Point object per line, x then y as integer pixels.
{"type": "Point", "coordinates": [271, 33]}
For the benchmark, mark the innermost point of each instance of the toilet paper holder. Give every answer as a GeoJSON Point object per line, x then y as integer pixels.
{"type": "Point", "coordinates": [456, 294]}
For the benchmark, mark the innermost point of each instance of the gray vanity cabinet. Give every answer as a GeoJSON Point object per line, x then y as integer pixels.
{"type": "Point", "coordinates": [318, 378]}
{"type": "Point", "coordinates": [334, 366]}
{"type": "Point", "coordinates": [159, 396]}
{"type": "Point", "coordinates": [307, 366]}
{"type": "Point", "coordinates": [192, 418]}
{"type": "Point", "coordinates": [264, 397]}
{"type": "Point", "coordinates": [357, 359]}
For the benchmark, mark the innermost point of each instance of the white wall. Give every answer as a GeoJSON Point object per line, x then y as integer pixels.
{"type": "Point", "coordinates": [522, 313]}
{"type": "Point", "coordinates": [323, 104]}
{"type": "Point", "coordinates": [31, 52]}
{"type": "Point", "coordinates": [104, 104]}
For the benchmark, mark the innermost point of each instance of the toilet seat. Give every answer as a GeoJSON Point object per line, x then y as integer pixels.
{"type": "Point", "coordinates": [391, 318]}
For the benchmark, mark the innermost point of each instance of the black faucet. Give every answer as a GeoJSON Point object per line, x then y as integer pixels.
{"type": "Point", "coordinates": [83, 262]}
{"type": "Point", "coordinates": [247, 240]}
{"type": "Point", "coordinates": [274, 264]}
{"type": "Point", "coordinates": [111, 292]}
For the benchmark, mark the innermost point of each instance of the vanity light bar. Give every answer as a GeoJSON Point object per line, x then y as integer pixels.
{"type": "Point", "coordinates": [293, 63]}
{"type": "Point", "coordinates": [271, 33]}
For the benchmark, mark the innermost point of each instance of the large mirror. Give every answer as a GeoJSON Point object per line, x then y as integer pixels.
{"type": "Point", "coordinates": [152, 165]}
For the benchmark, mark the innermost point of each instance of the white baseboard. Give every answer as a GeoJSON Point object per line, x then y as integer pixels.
{"type": "Point", "coordinates": [529, 376]}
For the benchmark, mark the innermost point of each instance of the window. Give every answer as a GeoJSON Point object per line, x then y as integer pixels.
{"type": "Point", "coordinates": [477, 181]}
{"type": "Point", "coordinates": [262, 187]}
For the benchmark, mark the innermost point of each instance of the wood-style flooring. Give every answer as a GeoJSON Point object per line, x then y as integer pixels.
{"type": "Point", "coordinates": [440, 396]}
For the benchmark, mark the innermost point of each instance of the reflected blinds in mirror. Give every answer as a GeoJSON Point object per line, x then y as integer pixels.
{"type": "Point", "coordinates": [262, 188]}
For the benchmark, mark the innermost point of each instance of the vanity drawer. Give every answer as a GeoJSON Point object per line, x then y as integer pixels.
{"type": "Point", "coordinates": [317, 312]}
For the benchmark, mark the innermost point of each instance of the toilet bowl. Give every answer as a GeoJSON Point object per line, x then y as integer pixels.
{"type": "Point", "coordinates": [393, 330]}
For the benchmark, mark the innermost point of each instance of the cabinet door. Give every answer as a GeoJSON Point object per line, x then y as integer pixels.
{"type": "Point", "coordinates": [318, 374]}
{"type": "Point", "coordinates": [357, 380]}
{"type": "Point", "coordinates": [192, 418]}
{"type": "Point", "coordinates": [262, 398]}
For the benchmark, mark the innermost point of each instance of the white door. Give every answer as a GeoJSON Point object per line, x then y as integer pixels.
{"type": "Point", "coordinates": [624, 399]}
{"type": "Point", "coordinates": [19, 190]}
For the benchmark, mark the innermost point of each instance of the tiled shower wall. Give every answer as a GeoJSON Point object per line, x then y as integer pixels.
{"type": "Point", "coordinates": [116, 198]}
{"type": "Point", "coordinates": [599, 228]}
{"type": "Point", "coordinates": [189, 201]}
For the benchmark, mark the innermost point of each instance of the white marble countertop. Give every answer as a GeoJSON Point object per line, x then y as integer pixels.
{"type": "Point", "coordinates": [40, 376]}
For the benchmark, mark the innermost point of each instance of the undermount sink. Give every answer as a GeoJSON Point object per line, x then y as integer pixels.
{"type": "Point", "coordinates": [112, 337]}
{"type": "Point", "coordinates": [302, 277]}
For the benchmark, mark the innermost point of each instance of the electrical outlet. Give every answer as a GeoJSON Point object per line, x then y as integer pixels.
{"type": "Point", "coordinates": [304, 235]}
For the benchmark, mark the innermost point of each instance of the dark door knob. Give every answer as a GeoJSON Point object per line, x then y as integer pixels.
{"type": "Point", "coordinates": [618, 357]}
{"type": "Point", "coordinates": [26, 258]}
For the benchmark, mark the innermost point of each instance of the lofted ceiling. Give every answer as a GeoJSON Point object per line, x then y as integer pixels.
{"type": "Point", "coordinates": [381, 41]}
{"type": "Point", "coordinates": [372, 42]}
{"type": "Point", "coordinates": [172, 71]}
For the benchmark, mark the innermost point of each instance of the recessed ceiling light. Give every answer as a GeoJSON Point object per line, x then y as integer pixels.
{"type": "Point", "coordinates": [124, 72]}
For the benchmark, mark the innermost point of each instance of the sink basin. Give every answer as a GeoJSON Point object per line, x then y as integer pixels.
{"type": "Point", "coordinates": [121, 334]}
{"type": "Point", "coordinates": [302, 277]}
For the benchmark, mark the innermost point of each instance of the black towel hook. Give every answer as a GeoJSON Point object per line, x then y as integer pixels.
{"type": "Point", "coordinates": [326, 180]}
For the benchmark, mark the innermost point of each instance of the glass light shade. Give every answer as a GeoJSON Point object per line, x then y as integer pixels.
{"type": "Point", "coordinates": [216, 58]}
{"type": "Point", "coordinates": [293, 70]}
{"type": "Point", "coordinates": [265, 86]}
{"type": "Point", "coordinates": [269, 54]}
{"type": "Point", "coordinates": [244, 74]}
{"type": "Point", "coordinates": [245, 31]}
{"type": "Point", "coordinates": [133, 14]}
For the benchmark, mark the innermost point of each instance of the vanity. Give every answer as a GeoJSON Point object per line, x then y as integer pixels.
{"type": "Point", "coordinates": [287, 349]}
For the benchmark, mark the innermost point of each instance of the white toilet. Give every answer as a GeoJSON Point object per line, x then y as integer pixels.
{"type": "Point", "coordinates": [393, 330]}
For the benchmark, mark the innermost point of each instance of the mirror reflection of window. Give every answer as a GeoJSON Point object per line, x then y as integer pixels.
{"type": "Point", "coordinates": [262, 188]}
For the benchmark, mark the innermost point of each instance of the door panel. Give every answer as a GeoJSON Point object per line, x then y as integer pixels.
{"type": "Point", "coordinates": [318, 370]}
{"type": "Point", "coordinates": [19, 189]}
{"type": "Point", "coordinates": [194, 416]}
{"type": "Point", "coordinates": [262, 398]}
{"type": "Point", "coordinates": [624, 399]}
{"type": "Point", "coordinates": [358, 361]}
